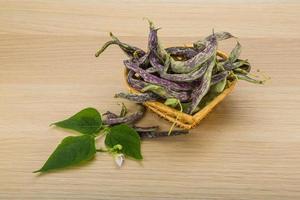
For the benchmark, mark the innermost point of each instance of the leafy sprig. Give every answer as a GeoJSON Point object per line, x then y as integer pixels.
{"type": "Point", "coordinates": [120, 141]}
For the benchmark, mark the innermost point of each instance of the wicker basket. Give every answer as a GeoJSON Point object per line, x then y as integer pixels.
{"type": "Point", "coordinates": [181, 119]}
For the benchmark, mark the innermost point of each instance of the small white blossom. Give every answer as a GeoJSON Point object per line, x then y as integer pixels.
{"type": "Point", "coordinates": [119, 159]}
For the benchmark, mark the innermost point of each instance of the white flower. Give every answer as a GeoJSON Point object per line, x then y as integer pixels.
{"type": "Point", "coordinates": [119, 159]}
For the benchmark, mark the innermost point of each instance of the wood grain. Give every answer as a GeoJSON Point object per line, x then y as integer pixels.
{"type": "Point", "coordinates": [247, 148]}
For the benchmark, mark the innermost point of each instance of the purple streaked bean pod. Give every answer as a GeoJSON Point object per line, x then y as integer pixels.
{"type": "Point", "coordinates": [165, 93]}
{"type": "Point", "coordinates": [139, 98]}
{"type": "Point", "coordinates": [235, 53]}
{"type": "Point", "coordinates": [189, 77]}
{"type": "Point", "coordinates": [160, 91]}
{"type": "Point", "coordinates": [144, 60]}
{"type": "Point", "coordinates": [156, 62]}
{"type": "Point", "coordinates": [145, 129]}
{"type": "Point", "coordinates": [152, 38]}
{"type": "Point", "coordinates": [185, 52]}
{"type": "Point", "coordinates": [233, 61]}
{"type": "Point", "coordinates": [219, 77]}
{"type": "Point", "coordinates": [181, 66]}
{"type": "Point", "coordinates": [152, 70]}
{"type": "Point", "coordinates": [239, 63]}
{"type": "Point", "coordinates": [135, 83]}
{"type": "Point", "coordinates": [130, 51]}
{"type": "Point", "coordinates": [156, 80]}
{"type": "Point", "coordinates": [129, 119]}
{"type": "Point", "coordinates": [156, 134]}
{"type": "Point", "coordinates": [109, 114]}
{"type": "Point", "coordinates": [201, 90]}
{"type": "Point", "coordinates": [123, 112]}
{"type": "Point", "coordinates": [200, 44]}
{"type": "Point", "coordinates": [195, 62]}
{"type": "Point", "coordinates": [157, 53]}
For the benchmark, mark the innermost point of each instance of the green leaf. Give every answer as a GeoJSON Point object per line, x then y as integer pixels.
{"type": "Point", "coordinates": [88, 121]}
{"type": "Point", "coordinates": [72, 150]}
{"type": "Point", "coordinates": [128, 138]}
{"type": "Point", "coordinates": [172, 102]}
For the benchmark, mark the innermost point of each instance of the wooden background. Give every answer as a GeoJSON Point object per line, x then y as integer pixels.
{"type": "Point", "coordinates": [247, 148]}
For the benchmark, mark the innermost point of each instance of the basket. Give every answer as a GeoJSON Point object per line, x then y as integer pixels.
{"type": "Point", "coordinates": [181, 119]}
